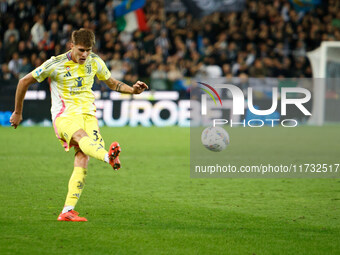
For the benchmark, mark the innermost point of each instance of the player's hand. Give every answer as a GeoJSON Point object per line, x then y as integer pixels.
{"type": "Point", "coordinates": [15, 119]}
{"type": "Point", "coordinates": [139, 87]}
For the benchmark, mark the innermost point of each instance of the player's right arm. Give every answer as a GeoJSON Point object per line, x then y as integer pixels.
{"type": "Point", "coordinates": [37, 75]}
{"type": "Point", "coordinates": [22, 88]}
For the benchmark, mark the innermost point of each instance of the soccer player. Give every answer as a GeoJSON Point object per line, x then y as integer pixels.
{"type": "Point", "coordinates": [73, 109]}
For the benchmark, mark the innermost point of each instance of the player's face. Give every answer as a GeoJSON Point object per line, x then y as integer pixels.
{"type": "Point", "coordinates": [80, 53]}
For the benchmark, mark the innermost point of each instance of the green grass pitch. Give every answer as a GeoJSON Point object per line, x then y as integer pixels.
{"type": "Point", "coordinates": [152, 206]}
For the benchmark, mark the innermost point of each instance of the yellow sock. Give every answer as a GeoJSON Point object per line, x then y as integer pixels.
{"type": "Point", "coordinates": [75, 186]}
{"type": "Point", "coordinates": [92, 148]}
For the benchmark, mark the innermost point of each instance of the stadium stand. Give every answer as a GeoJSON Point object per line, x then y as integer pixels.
{"type": "Point", "coordinates": [266, 39]}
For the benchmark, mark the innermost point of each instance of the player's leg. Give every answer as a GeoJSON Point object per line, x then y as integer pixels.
{"type": "Point", "coordinates": [90, 147]}
{"type": "Point", "coordinates": [77, 181]}
{"type": "Point", "coordinates": [83, 133]}
{"type": "Point", "coordinates": [75, 187]}
{"type": "Point", "coordinates": [79, 131]}
{"type": "Point", "coordinates": [92, 130]}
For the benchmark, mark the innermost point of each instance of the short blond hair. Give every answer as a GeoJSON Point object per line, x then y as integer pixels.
{"type": "Point", "coordinates": [83, 37]}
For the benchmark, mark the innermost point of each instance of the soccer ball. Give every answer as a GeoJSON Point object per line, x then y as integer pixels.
{"type": "Point", "coordinates": [215, 138]}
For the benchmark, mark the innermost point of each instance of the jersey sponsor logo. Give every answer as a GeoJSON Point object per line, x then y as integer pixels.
{"type": "Point", "coordinates": [77, 87]}
{"type": "Point", "coordinates": [79, 82]}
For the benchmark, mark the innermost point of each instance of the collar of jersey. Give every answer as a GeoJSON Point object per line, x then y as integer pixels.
{"type": "Point", "coordinates": [68, 54]}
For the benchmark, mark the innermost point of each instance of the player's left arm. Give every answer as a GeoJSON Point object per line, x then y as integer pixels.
{"type": "Point", "coordinates": [104, 74]}
{"type": "Point", "coordinates": [121, 87]}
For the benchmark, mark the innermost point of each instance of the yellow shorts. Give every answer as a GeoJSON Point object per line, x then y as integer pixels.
{"type": "Point", "coordinates": [65, 127]}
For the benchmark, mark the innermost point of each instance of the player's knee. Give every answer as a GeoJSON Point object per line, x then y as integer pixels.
{"type": "Point", "coordinates": [78, 135]}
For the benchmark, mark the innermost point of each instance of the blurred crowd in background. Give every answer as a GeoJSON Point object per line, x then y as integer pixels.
{"type": "Point", "coordinates": [267, 39]}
